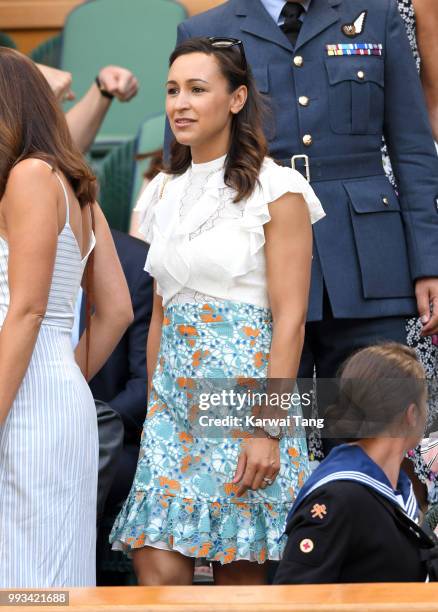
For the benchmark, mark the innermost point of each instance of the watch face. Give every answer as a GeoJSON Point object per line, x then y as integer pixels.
{"type": "Point", "coordinates": [273, 430]}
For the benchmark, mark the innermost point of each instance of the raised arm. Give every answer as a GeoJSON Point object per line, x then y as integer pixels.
{"type": "Point", "coordinates": [59, 81]}
{"type": "Point", "coordinates": [29, 211]}
{"type": "Point", "coordinates": [86, 117]}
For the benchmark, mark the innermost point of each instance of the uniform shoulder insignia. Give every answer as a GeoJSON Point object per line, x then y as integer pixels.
{"type": "Point", "coordinates": [357, 27]}
{"type": "Point", "coordinates": [306, 545]}
{"type": "Point", "coordinates": [318, 511]}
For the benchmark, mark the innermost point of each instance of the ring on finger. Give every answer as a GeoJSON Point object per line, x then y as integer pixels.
{"type": "Point", "coordinates": [268, 481]}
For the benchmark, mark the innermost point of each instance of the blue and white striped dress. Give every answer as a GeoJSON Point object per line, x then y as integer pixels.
{"type": "Point", "coordinates": [49, 446]}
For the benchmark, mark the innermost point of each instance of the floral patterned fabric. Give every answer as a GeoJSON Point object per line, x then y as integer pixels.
{"type": "Point", "coordinates": [426, 349]}
{"type": "Point", "coordinates": [183, 497]}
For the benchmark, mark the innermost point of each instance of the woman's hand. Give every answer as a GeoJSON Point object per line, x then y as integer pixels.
{"type": "Point", "coordinates": [259, 459]}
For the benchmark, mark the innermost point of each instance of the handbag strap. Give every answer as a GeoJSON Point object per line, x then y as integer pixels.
{"type": "Point", "coordinates": [89, 298]}
{"type": "Point", "coordinates": [166, 179]}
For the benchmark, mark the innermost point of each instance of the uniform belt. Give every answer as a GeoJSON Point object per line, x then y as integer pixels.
{"type": "Point", "coordinates": [336, 168]}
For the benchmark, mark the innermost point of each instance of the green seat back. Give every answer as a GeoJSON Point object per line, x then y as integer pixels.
{"type": "Point", "coordinates": [7, 41]}
{"type": "Point", "coordinates": [48, 52]}
{"type": "Point", "coordinates": [115, 175]}
{"type": "Point", "coordinates": [150, 138]}
{"type": "Point", "coordinates": [136, 34]}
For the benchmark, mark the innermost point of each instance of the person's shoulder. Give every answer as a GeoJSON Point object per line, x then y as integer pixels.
{"type": "Point", "coordinates": [348, 489]}
{"type": "Point", "coordinates": [275, 181]}
{"type": "Point", "coordinates": [376, 10]}
{"type": "Point", "coordinates": [151, 191]}
{"type": "Point", "coordinates": [197, 23]}
{"type": "Point", "coordinates": [34, 176]}
{"type": "Point", "coordinates": [31, 169]}
{"type": "Point", "coordinates": [270, 165]}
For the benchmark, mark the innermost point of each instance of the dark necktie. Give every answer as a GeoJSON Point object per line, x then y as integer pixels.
{"type": "Point", "coordinates": [292, 24]}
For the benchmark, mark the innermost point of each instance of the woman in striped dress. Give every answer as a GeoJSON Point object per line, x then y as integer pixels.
{"type": "Point", "coordinates": [48, 429]}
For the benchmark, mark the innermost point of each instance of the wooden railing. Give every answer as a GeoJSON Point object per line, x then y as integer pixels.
{"type": "Point", "coordinates": [412, 597]}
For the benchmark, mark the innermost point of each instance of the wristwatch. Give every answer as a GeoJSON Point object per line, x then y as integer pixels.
{"type": "Point", "coordinates": [273, 431]}
{"type": "Point", "coordinates": [104, 92]}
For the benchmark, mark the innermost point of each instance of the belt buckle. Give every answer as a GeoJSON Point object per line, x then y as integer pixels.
{"type": "Point", "coordinates": [305, 158]}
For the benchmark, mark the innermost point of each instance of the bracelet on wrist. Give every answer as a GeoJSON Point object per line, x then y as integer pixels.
{"type": "Point", "coordinates": [103, 92]}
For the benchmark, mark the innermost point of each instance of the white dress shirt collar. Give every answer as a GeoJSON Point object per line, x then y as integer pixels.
{"type": "Point", "coordinates": [274, 8]}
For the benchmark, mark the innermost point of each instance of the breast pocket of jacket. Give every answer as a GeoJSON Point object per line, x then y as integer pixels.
{"type": "Point", "coordinates": [356, 94]}
{"type": "Point", "coordinates": [380, 239]}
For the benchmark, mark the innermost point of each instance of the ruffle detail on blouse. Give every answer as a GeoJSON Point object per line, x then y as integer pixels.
{"type": "Point", "coordinates": [170, 236]}
{"type": "Point", "coordinates": [277, 180]}
{"type": "Point", "coordinates": [222, 530]}
{"type": "Point", "coordinates": [274, 182]}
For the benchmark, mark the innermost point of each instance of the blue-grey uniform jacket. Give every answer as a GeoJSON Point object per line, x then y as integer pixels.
{"type": "Point", "coordinates": [333, 104]}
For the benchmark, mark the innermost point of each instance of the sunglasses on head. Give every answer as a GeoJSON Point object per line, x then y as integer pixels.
{"type": "Point", "coordinates": [227, 43]}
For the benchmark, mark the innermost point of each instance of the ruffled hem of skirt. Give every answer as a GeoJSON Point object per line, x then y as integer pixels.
{"type": "Point", "coordinates": [223, 531]}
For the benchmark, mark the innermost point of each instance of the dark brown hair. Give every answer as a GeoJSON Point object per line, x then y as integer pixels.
{"type": "Point", "coordinates": [33, 125]}
{"type": "Point", "coordinates": [248, 145]}
{"type": "Point", "coordinates": [155, 164]}
{"type": "Point", "coordinates": [376, 386]}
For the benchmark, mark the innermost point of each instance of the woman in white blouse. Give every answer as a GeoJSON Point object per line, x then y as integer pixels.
{"type": "Point", "coordinates": [230, 251]}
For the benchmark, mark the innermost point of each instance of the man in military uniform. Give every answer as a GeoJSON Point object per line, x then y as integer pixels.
{"type": "Point", "coordinates": [339, 74]}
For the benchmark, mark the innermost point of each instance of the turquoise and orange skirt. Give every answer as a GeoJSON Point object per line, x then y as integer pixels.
{"type": "Point", "coordinates": [182, 497]}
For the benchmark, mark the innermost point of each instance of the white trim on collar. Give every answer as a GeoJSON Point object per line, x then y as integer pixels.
{"type": "Point", "coordinates": [410, 506]}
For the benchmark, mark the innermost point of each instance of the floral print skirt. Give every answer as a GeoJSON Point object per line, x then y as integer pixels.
{"type": "Point", "coordinates": [182, 497]}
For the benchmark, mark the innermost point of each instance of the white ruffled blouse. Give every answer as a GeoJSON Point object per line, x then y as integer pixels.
{"type": "Point", "coordinates": [201, 241]}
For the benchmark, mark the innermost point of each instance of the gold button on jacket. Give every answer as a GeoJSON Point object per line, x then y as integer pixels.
{"type": "Point", "coordinates": [298, 61]}
{"type": "Point", "coordinates": [307, 140]}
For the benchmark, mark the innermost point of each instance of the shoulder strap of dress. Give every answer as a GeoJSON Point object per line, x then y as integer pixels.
{"type": "Point", "coordinates": [61, 182]}
{"type": "Point", "coordinates": [166, 179]}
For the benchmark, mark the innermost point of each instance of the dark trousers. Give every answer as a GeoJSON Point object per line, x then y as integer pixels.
{"type": "Point", "coordinates": [328, 343]}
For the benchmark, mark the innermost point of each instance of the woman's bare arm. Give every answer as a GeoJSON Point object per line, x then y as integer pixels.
{"type": "Point", "coordinates": [288, 252]}
{"type": "Point", "coordinates": [288, 265]}
{"type": "Point", "coordinates": [426, 13]}
{"type": "Point", "coordinates": [29, 212]}
{"type": "Point", "coordinates": [112, 301]}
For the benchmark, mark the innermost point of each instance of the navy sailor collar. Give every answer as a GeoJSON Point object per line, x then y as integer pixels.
{"type": "Point", "coordinates": [350, 462]}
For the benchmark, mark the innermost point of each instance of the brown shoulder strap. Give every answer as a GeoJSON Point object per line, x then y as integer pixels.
{"type": "Point", "coordinates": [89, 297]}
